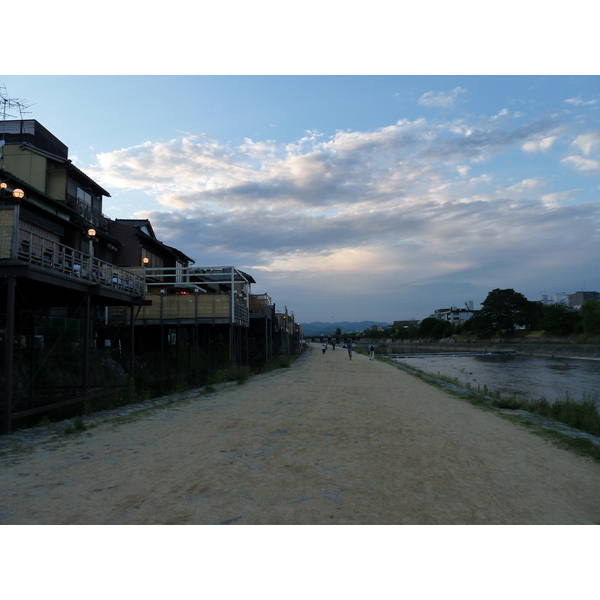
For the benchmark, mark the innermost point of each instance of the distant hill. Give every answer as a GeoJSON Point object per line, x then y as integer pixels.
{"type": "Point", "coordinates": [317, 328]}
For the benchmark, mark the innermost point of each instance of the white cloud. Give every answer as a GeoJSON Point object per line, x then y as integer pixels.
{"type": "Point", "coordinates": [539, 145]}
{"type": "Point", "coordinates": [556, 198]}
{"type": "Point", "coordinates": [585, 142]}
{"type": "Point", "coordinates": [502, 113]}
{"type": "Point", "coordinates": [484, 178]}
{"type": "Point", "coordinates": [579, 102]}
{"type": "Point", "coordinates": [582, 164]}
{"type": "Point", "coordinates": [441, 99]}
{"type": "Point", "coordinates": [524, 189]}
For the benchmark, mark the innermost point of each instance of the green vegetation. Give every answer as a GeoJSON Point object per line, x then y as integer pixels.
{"type": "Point", "coordinates": [560, 320]}
{"type": "Point", "coordinates": [77, 426]}
{"type": "Point", "coordinates": [580, 414]}
{"type": "Point", "coordinates": [281, 362]}
{"type": "Point", "coordinates": [590, 317]}
{"type": "Point", "coordinates": [503, 310]}
{"type": "Point", "coordinates": [503, 307]}
{"type": "Point", "coordinates": [239, 374]}
{"type": "Point", "coordinates": [435, 329]}
{"type": "Point", "coordinates": [505, 313]}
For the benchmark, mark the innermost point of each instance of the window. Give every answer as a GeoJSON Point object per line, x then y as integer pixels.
{"type": "Point", "coordinates": [84, 197]}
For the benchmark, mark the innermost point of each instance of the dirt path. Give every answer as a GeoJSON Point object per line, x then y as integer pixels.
{"type": "Point", "coordinates": [329, 441]}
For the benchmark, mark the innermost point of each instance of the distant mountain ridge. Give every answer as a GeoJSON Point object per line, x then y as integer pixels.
{"type": "Point", "coordinates": [318, 328]}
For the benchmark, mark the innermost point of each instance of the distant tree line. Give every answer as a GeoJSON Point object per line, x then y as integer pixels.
{"type": "Point", "coordinates": [502, 312]}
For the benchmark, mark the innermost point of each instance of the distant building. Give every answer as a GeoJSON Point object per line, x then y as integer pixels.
{"type": "Point", "coordinates": [578, 298]}
{"type": "Point", "coordinates": [407, 323]}
{"type": "Point", "coordinates": [455, 314]}
{"type": "Point", "coordinates": [558, 298]}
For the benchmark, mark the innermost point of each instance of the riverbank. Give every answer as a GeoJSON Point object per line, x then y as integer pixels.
{"type": "Point", "coordinates": [543, 349]}
{"type": "Point", "coordinates": [327, 441]}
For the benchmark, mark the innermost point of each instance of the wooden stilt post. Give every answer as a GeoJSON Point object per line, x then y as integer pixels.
{"type": "Point", "coordinates": [9, 354]}
{"type": "Point", "coordinates": [86, 346]}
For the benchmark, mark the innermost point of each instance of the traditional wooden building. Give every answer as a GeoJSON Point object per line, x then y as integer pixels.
{"type": "Point", "coordinates": [56, 264]}
{"type": "Point", "coordinates": [262, 334]}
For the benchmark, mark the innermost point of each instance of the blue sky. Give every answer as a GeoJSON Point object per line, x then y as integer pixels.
{"type": "Point", "coordinates": [348, 197]}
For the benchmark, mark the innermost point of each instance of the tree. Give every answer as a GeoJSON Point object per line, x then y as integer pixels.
{"type": "Point", "coordinates": [480, 325]}
{"type": "Point", "coordinates": [426, 327]}
{"type": "Point", "coordinates": [407, 333]}
{"type": "Point", "coordinates": [338, 332]}
{"type": "Point", "coordinates": [435, 328]}
{"type": "Point", "coordinates": [559, 319]}
{"type": "Point", "coordinates": [590, 315]}
{"type": "Point", "coordinates": [442, 329]}
{"type": "Point", "coordinates": [503, 310]}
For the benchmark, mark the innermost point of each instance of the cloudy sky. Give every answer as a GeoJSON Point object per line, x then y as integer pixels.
{"type": "Point", "coordinates": [348, 197]}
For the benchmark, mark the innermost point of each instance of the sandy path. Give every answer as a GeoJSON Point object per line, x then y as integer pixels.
{"type": "Point", "coordinates": [327, 441]}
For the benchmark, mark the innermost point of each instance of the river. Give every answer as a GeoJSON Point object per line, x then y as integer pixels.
{"type": "Point", "coordinates": [523, 377]}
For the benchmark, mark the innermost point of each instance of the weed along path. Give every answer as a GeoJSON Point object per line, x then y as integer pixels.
{"type": "Point", "coordinates": [328, 441]}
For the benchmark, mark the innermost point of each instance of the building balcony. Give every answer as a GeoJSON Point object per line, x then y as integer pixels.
{"type": "Point", "coordinates": [28, 248]}
{"type": "Point", "coordinates": [187, 309]}
{"type": "Point", "coordinates": [87, 214]}
{"type": "Point", "coordinates": [260, 303]}
{"type": "Point", "coordinates": [187, 296]}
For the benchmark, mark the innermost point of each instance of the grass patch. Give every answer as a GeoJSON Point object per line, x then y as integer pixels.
{"type": "Point", "coordinates": [239, 374]}
{"type": "Point", "coordinates": [45, 421]}
{"type": "Point", "coordinates": [580, 414]}
{"type": "Point", "coordinates": [76, 426]}
{"type": "Point", "coordinates": [281, 362]}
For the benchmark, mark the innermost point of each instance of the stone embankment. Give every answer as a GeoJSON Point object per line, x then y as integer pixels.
{"type": "Point", "coordinates": [544, 349]}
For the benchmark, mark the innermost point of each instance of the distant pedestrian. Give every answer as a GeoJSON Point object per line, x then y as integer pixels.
{"type": "Point", "coordinates": [333, 344]}
{"type": "Point", "coordinates": [371, 352]}
{"type": "Point", "coordinates": [324, 346]}
{"type": "Point", "coordinates": [349, 346]}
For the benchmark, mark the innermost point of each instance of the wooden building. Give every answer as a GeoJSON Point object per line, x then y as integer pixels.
{"type": "Point", "coordinates": [56, 262]}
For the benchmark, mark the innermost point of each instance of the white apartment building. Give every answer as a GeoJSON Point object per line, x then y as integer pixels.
{"type": "Point", "coordinates": [455, 314]}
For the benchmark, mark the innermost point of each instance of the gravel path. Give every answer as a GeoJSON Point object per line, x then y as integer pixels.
{"type": "Point", "coordinates": [329, 441]}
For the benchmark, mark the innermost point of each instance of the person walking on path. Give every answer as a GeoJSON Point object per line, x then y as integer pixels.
{"type": "Point", "coordinates": [333, 344]}
{"type": "Point", "coordinates": [371, 352]}
{"type": "Point", "coordinates": [349, 346]}
{"type": "Point", "coordinates": [324, 346]}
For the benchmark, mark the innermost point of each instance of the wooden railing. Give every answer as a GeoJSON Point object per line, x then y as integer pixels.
{"type": "Point", "coordinates": [37, 250]}
{"type": "Point", "coordinates": [188, 307]}
{"type": "Point", "coordinates": [260, 303]}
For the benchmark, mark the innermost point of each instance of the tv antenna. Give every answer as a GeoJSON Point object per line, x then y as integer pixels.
{"type": "Point", "coordinates": [12, 105]}
{"type": "Point", "coordinates": [9, 103]}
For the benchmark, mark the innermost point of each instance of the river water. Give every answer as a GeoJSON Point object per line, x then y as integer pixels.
{"type": "Point", "coordinates": [524, 377]}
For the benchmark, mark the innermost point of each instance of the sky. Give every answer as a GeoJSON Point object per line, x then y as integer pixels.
{"type": "Point", "coordinates": [347, 197]}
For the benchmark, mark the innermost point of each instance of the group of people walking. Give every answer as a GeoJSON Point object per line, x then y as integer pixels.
{"type": "Point", "coordinates": [350, 348]}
